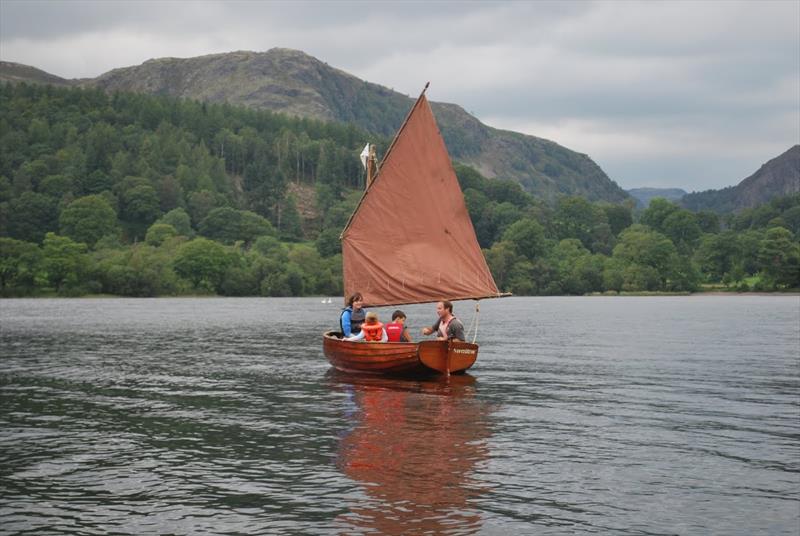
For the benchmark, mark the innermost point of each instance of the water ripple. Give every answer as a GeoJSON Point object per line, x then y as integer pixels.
{"type": "Point", "coordinates": [582, 416]}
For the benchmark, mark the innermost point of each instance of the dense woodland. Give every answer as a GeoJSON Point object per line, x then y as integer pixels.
{"type": "Point", "coordinates": [137, 195]}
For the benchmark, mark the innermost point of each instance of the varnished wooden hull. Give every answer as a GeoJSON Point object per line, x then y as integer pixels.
{"type": "Point", "coordinates": [399, 358]}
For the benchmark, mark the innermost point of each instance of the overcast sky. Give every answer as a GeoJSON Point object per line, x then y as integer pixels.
{"type": "Point", "coordinates": [684, 94]}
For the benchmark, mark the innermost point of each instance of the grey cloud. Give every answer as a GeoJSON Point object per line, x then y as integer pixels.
{"type": "Point", "coordinates": [647, 74]}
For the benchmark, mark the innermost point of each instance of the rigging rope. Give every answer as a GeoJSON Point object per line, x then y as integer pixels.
{"type": "Point", "coordinates": [474, 322]}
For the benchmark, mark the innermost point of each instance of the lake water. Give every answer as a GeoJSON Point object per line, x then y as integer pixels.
{"type": "Point", "coordinates": [634, 415]}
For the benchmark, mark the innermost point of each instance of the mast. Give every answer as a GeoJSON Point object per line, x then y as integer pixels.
{"type": "Point", "coordinates": [372, 166]}
{"type": "Point", "coordinates": [371, 155]}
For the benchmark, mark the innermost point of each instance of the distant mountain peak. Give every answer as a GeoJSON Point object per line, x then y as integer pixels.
{"type": "Point", "coordinates": [18, 72]}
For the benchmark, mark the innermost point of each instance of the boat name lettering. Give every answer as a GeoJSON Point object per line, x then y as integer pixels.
{"type": "Point", "coordinates": [463, 351]}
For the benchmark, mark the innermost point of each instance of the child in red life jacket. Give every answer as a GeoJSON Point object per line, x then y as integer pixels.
{"type": "Point", "coordinates": [371, 330]}
{"type": "Point", "coordinates": [397, 331]}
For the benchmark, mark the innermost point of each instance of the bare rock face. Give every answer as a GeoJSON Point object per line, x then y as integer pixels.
{"type": "Point", "coordinates": [778, 177]}
{"type": "Point", "coordinates": [292, 82]}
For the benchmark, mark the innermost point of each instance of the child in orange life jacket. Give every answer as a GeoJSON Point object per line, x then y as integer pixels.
{"type": "Point", "coordinates": [371, 330]}
{"type": "Point", "coordinates": [397, 330]}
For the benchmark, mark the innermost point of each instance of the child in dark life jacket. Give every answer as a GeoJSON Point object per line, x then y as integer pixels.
{"type": "Point", "coordinates": [396, 330]}
{"type": "Point", "coordinates": [371, 330]}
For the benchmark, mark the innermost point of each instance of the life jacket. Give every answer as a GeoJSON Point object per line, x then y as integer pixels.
{"type": "Point", "coordinates": [372, 332]}
{"type": "Point", "coordinates": [394, 331]}
{"type": "Point", "coordinates": [443, 327]}
{"type": "Point", "coordinates": [356, 319]}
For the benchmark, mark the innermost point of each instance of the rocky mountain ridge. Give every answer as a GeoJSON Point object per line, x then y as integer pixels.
{"type": "Point", "coordinates": [779, 176]}
{"type": "Point", "coordinates": [292, 82]}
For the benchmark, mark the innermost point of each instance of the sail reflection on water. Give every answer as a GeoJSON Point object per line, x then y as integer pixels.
{"type": "Point", "coordinates": [414, 447]}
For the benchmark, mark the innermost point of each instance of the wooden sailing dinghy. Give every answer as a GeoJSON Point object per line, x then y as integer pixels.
{"type": "Point", "coordinates": [410, 240]}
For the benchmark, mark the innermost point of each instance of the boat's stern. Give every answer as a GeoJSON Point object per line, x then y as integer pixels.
{"type": "Point", "coordinates": [448, 357]}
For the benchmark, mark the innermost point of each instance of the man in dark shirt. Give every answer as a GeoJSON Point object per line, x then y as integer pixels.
{"type": "Point", "coordinates": [447, 327]}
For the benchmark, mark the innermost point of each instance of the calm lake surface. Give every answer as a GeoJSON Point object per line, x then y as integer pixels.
{"type": "Point", "coordinates": [634, 415]}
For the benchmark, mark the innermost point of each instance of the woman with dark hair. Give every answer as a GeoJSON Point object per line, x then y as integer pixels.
{"type": "Point", "coordinates": [352, 316]}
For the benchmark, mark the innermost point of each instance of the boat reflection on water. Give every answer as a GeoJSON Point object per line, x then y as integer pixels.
{"type": "Point", "coordinates": [414, 446]}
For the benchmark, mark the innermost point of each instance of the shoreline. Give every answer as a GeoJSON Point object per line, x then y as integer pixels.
{"type": "Point", "coordinates": [623, 294]}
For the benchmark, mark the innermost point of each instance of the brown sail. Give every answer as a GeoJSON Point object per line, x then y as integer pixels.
{"type": "Point", "coordinates": [411, 239]}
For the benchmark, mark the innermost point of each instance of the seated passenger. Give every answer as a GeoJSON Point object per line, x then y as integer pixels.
{"type": "Point", "coordinates": [352, 316]}
{"type": "Point", "coordinates": [396, 330]}
{"type": "Point", "coordinates": [447, 327]}
{"type": "Point", "coordinates": [371, 330]}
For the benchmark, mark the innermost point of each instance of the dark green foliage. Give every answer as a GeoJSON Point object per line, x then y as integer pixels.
{"type": "Point", "coordinates": [289, 224]}
{"type": "Point", "coordinates": [657, 212]}
{"type": "Point", "coordinates": [779, 258]}
{"type": "Point", "coordinates": [717, 254]}
{"type": "Point", "coordinates": [228, 225]}
{"type": "Point", "coordinates": [91, 165]}
{"type": "Point", "coordinates": [64, 263]}
{"type": "Point", "coordinates": [204, 263]}
{"type": "Point", "coordinates": [19, 262]}
{"type": "Point", "coordinates": [31, 216]}
{"type": "Point", "coordinates": [158, 233]}
{"type": "Point", "coordinates": [179, 220]}
{"type": "Point", "coordinates": [139, 202]}
{"type": "Point", "coordinates": [88, 219]}
{"type": "Point", "coordinates": [682, 228]}
{"type": "Point", "coordinates": [328, 243]}
{"type": "Point", "coordinates": [619, 217]}
{"type": "Point", "coordinates": [527, 237]}
{"type": "Point", "coordinates": [141, 270]}
{"type": "Point", "coordinates": [575, 217]}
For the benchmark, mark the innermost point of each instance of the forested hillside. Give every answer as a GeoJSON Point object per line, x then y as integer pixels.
{"type": "Point", "coordinates": [294, 83]}
{"type": "Point", "coordinates": [136, 195]}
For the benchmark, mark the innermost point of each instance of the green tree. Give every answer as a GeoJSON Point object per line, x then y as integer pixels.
{"type": "Point", "coordinates": [576, 217]}
{"type": "Point", "coordinates": [681, 227]}
{"type": "Point", "coordinates": [328, 243]}
{"type": "Point", "coordinates": [657, 212]}
{"type": "Point", "coordinates": [779, 258]}
{"type": "Point", "coordinates": [19, 263]}
{"type": "Point", "coordinates": [140, 270]}
{"type": "Point", "coordinates": [501, 258]}
{"type": "Point", "coordinates": [527, 236]}
{"type": "Point", "coordinates": [229, 225]}
{"type": "Point", "coordinates": [708, 221]}
{"type": "Point", "coordinates": [31, 216]}
{"type": "Point", "coordinates": [496, 218]}
{"type": "Point", "coordinates": [158, 233]}
{"type": "Point", "coordinates": [649, 258]}
{"type": "Point", "coordinates": [520, 278]}
{"type": "Point", "coordinates": [271, 247]}
{"type": "Point", "coordinates": [56, 186]}
{"type": "Point", "coordinates": [289, 220]}
{"type": "Point", "coordinates": [792, 218]}
{"type": "Point", "coordinates": [717, 254]}
{"type": "Point", "coordinates": [88, 219]}
{"type": "Point", "coordinates": [619, 217]}
{"type": "Point", "coordinates": [64, 262]}
{"type": "Point", "coordinates": [139, 201]}
{"type": "Point", "coordinates": [579, 271]}
{"type": "Point", "coordinates": [203, 262]}
{"type": "Point", "coordinates": [179, 219]}
{"type": "Point", "coordinates": [202, 203]}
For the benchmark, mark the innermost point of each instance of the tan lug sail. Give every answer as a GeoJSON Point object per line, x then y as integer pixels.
{"type": "Point", "coordinates": [410, 239]}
